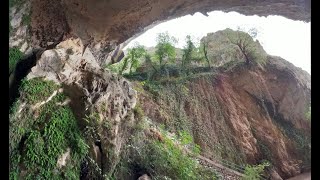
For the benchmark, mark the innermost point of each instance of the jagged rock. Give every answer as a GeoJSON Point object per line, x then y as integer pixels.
{"type": "Point", "coordinates": [92, 90]}
{"type": "Point", "coordinates": [274, 175]}
{"type": "Point", "coordinates": [220, 50]}
{"type": "Point", "coordinates": [62, 161]}
{"type": "Point", "coordinates": [144, 177]}
{"type": "Point", "coordinates": [19, 35]}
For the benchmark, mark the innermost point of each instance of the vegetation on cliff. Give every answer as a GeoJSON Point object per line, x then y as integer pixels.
{"type": "Point", "coordinates": [186, 97]}
{"type": "Point", "coordinates": [216, 103]}
{"type": "Point", "coordinates": [15, 56]}
{"type": "Point", "coordinates": [41, 133]}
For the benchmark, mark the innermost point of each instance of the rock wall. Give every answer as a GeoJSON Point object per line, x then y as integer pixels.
{"type": "Point", "coordinates": [101, 101]}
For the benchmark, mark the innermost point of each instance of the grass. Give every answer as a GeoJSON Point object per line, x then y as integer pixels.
{"type": "Point", "coordinates": [36, 142]}
{"type": "Point", "coordinates": [15, 56]}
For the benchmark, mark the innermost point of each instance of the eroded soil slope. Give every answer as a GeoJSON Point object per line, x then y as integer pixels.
{"type": "Point", "coordinates": [245, 114]}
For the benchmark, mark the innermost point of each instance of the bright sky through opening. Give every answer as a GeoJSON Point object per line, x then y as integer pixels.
{"type": "Point", "coordinates": [279, 36]}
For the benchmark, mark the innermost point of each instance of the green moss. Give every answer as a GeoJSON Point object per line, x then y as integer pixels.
{"type": "Point", "coordinates": [37, 90]}
{"type": "Point", "coordinates": [15, 56]}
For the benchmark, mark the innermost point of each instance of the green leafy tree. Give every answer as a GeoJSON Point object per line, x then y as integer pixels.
{"type": "Point", "coordinates": [149, 65]}
{"type": "Point", "coordinates": [124, 65]}
{"type": "Point", "coordinates": [188, 53]}
{"type": "Point", "coordinates": [131, 61]}
{"type": "Point", "coordinates": [165, 50]}
{"type": "Point", "coordinates": [247, 46]}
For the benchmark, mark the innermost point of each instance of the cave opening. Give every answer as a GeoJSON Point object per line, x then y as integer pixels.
{"type": "Point", "coordinates": [278, 36]}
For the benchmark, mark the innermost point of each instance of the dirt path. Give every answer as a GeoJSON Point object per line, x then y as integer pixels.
{"type": "Point", "coordinates": [227, 173]}
{"type": "Point", "coordinates": [304, 176]}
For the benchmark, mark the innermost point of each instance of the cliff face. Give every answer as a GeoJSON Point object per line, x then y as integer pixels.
{"type": "Point", "coordinates": [222, 48]}
{"type": "Point", "coordinates": [94, 124]}
{"type": "Point", "coordinates": [244, 115]}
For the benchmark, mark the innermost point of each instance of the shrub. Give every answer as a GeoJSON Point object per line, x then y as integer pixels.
{"type": "Point", "coordinates": [166, 159]}
{"type": "Point", "coordinates": [15, 56]}
{"type": "Point", "coordinates": [37, 89]}
{"type": "Point", "coordinates": [254, 172]}
{"type": "Point", "coordinates": [41, 141]}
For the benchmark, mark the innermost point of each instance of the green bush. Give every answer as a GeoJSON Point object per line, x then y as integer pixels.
{"type": "Point", "coordinates": [254, 172]}
{"type": "Point", "coordinates": [46, 135]}
{"type": "Point", "coordinates": [138, 111]}
{"type": "Point", "coordinates": [166, 159]}
{"type": "Point", "coordinates": [37, 90]}
{"type": "Point", "coordinates": [15, 56]}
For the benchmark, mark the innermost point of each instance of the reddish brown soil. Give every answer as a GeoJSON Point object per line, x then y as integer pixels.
{"type": "Point", "coordinates": [229, 119]}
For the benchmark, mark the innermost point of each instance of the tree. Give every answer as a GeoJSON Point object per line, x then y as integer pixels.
{"type": "Point", "coordinates": [247, 46]}
{"type": "Point", "coordinates": [204, 48]}
{"type": "Point", "coordinates": [124, 64]}
{"type": "Point", "coordinates": [165, 50]}
{"type": "Point", "coordinates": [133, 57]}
{"type": "Point", "coordinates": [188, 52]}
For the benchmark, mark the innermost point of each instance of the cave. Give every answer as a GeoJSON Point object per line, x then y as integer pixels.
{"type": "Point", "coordinates": [107, 26]}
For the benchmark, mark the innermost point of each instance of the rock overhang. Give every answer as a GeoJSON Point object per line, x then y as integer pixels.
{"type": "Point", "coordinates": [104, 24]}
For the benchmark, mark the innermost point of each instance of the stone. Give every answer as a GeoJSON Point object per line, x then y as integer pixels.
{"type": "Point", "coordinates": [62, 160]}
{"type": "Point", "coordinates": [24, 47]}
{"type": "Point", "coordinates": [144, 177]}
{"type": "Point", "coordinates": [16, 20]}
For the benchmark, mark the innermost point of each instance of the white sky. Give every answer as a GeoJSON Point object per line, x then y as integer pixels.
{"type": "Point", "coordinates": [279, 36]}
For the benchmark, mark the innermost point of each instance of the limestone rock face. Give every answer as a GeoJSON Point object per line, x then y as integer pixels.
{"type": "Point", "coordinates": [19, 35]}
{"type": "Point", "coordinates": [220, 49]}
{"type": "Point", "coordinates": [96, 93]}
